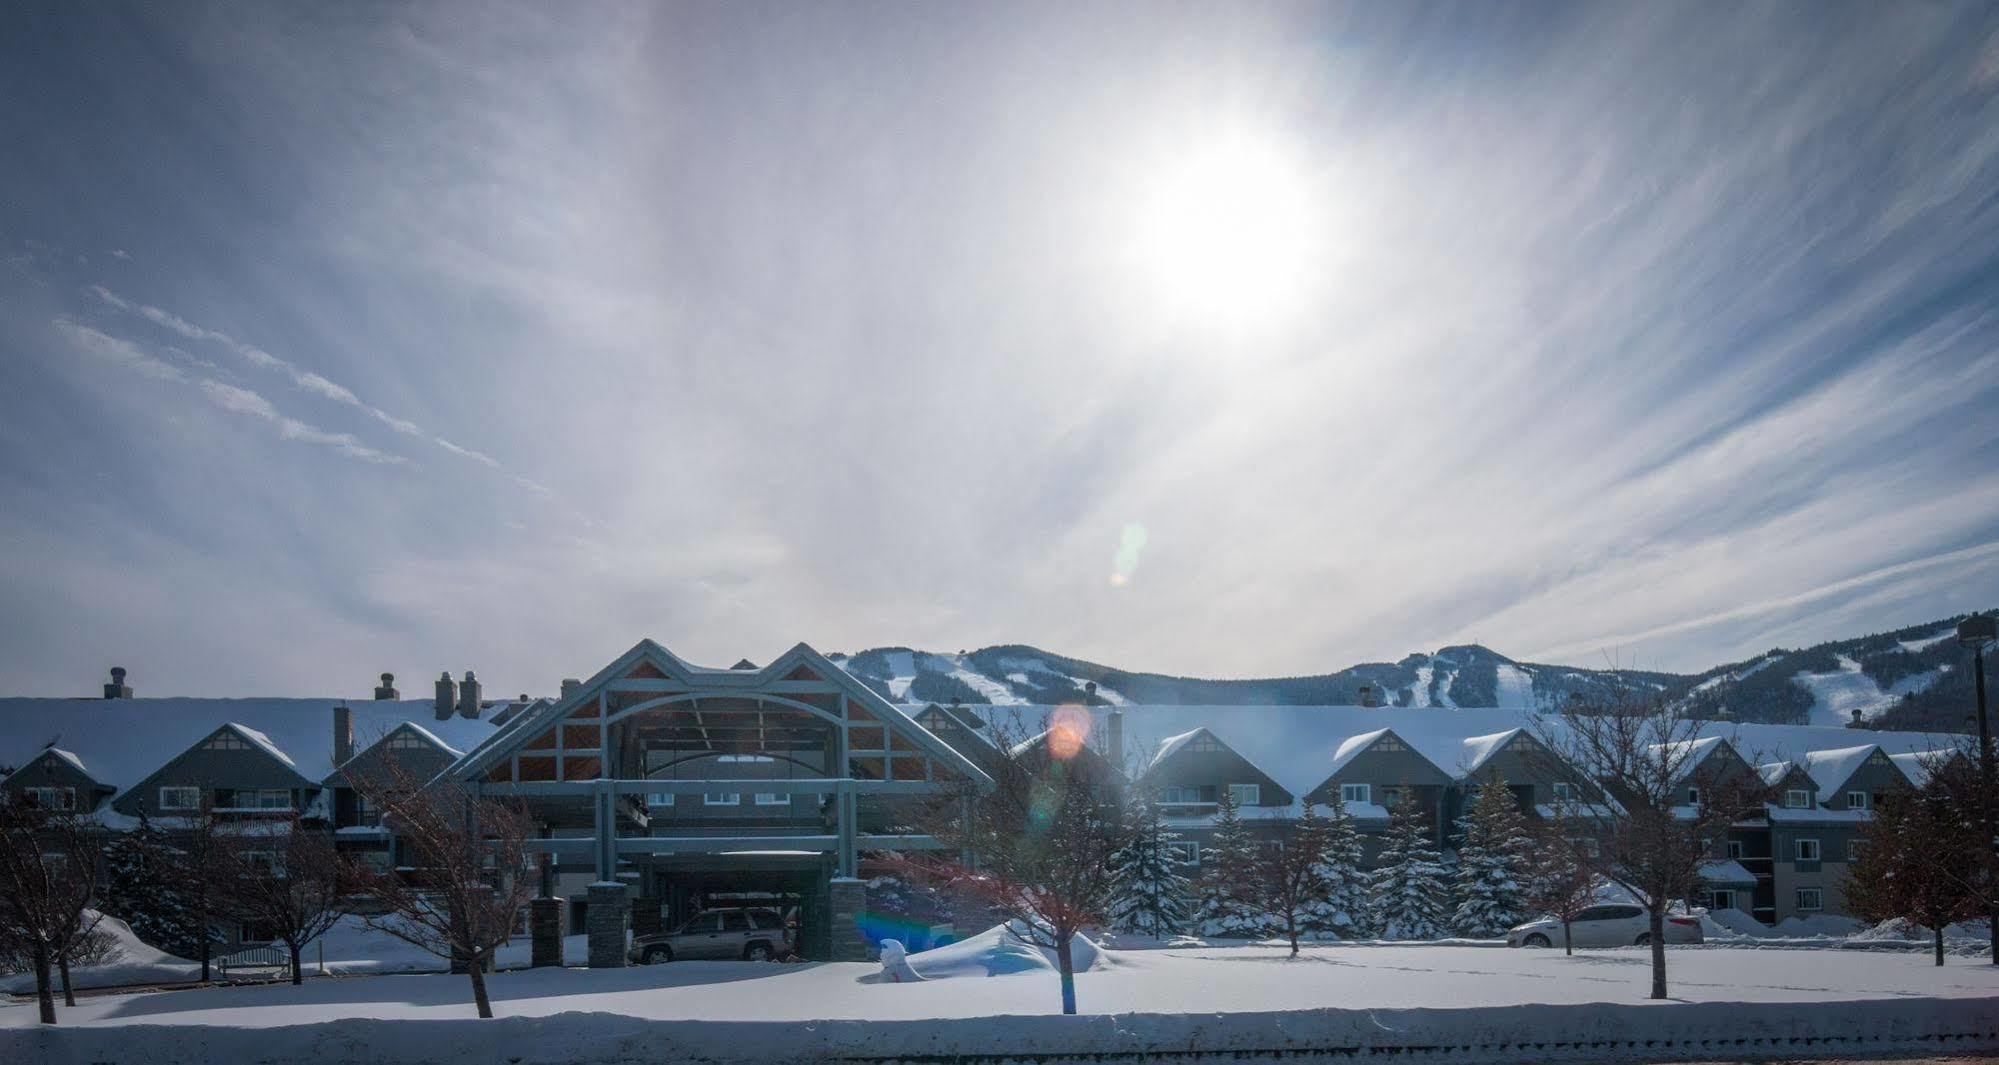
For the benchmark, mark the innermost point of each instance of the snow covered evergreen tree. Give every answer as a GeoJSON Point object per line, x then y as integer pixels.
{"type": "Point", "coordinates": [1229, 875]}
{"type": "Point", "coordinates": [1152, 880]}
{"type": "Point", "coordinates": [143, 889]}
{"type": "Point", "coordinates": [1410, 888]}
{"type": "Point", "coordinates": [1492, 864]}
{"type": "Point", "coordinates": [1341, 910]}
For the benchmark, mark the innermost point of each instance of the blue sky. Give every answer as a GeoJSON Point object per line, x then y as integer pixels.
{"type": "Point", "coordinates": [423, 337]}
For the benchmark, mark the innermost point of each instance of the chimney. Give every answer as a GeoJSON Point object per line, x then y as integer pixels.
{"type": "Point", "coordinates": [1370, 695]}
{"type": "Point", "coordinates": [388, 689]}
{"type": "Point", "coordinates": [447, 696]}
{"type": "Point", "coordinates": [117, 689]}
{"type": "Point", "coordinates": [468, 697]}
{"type": "Point", "coordinates": [1858, 721]}
{"type": "Point", "coordinates": [1116, 739]}
{"type": "Point", "coordinates": [570, 684]}
{"type": "Point", "coordinates": [343, 734]}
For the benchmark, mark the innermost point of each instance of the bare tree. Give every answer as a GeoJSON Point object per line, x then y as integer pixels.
{"type": "Point", "coordinates": [1564, 880]}
{"type": "Point", "coordinates": [1919, 859]}
{"type": "Point", "coordinates": [200, 842]}
{"type": "Point", "coordinates": [48, 875]}
{"type": "Point", "coordinates": [467, 879]}
{"type": "Point", "coordinates": [1665, 802]}
{"type": "Point", "coordinates": [291, 880]}
{"type": "Point", "coordinates": [1294, 873]}
{"type": "Point", "coordinates": [1042, 840]}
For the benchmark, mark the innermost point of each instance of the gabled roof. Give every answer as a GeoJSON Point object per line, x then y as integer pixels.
{"type": "Point", "coordinates": [1694, 753]}
{"type": "Point", "coordinates": [532, 721]}
{"type": "Point", "coordinates": [1774, 774]}
{"type": "Point", "coordinates": [72, 759]}
{"type": "Point", "coordinates": [261, 742]}
{"type": "Point", "coordinates": [1832, 769]}
{"type": "Point", "coordinates": [1918, 765]}
{"type": "Point", "coordinates": [1354, 746]}
{"type": "Point", "coordinates": [339, 772]}
{"type": "Point", "coordinates": [1480, 749]}
{"type": "Point", "coordinates": [1171, 745]}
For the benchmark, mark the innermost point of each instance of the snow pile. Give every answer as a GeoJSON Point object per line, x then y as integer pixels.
{"type": "Point", "coordinates": [1818, 925]}
{"type": "Point", "coordinates": [129, 961]}
{"type": "Point", "coordinates": [997, 951]}
{"type": "Point", "coordinates": [1966, 938]}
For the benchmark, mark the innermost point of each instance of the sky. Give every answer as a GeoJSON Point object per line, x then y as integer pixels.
{"type": "Point", "coordinates": [1219, 340]}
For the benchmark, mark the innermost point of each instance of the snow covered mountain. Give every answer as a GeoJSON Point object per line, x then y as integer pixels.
{"type": "Point", "coordinates": [1913, 678]}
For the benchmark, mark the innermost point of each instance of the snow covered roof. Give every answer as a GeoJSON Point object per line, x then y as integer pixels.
{"type": "Point", "coordinates": [261, 741]}
{"type": "Point", "coordinates": [1918, 765]}
{"type": "Point", "coordinates": [1832, 769]}
{"type": "Point", "coordinates": [123, 741]}
{"type": "Point", "coordinates": [1480, 749]}
{"type": "Point", "coordinates": [1350, 748]}
{"type": "Point", "coordinates": [1171, 744]}
{"type": "Point", "coordinates": [1773, 773]}
{"type": "Point", "coordinates": [69, 757]}
{"type": "Point", "coordinates": [1726, 873]}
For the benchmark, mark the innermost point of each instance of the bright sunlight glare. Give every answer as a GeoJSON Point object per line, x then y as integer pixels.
{"type": "Point", "coordinates": [1227, 232]}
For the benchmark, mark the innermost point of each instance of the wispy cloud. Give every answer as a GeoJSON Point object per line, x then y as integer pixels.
{"type": "Point", "coordinates": [229, 397]}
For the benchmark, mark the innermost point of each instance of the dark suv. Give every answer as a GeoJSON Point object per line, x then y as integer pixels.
{"type": "Point", "coordinates": [753, 935]}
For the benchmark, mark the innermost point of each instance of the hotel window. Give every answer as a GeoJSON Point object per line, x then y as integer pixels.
{"type": "Point", "coordinates": [1187, 851]}
{"type": "Point", "coordinates": [722, 798]}
{"type": "Point", "coordinates": [772, 798]}
{"type": "Point", "coordinates": [1693, 796]}
{"type": "Point", "coordinates": [1179, 793]}
{"type": "Point", "coordinates": [659, 798]}
{"type": "Point", "coordinates": [1734, 849]}
{"type": "Point", "coordinates": [745, 758]}
{"type": "Point", "coordinates": [264, 799]}
{"type": "Point", "coordinates": [1564, 791]}
{"type": "Point", "coordinates": [1204, 744]}
{"type": "Point", "coordinates": [51, 798]}
{"type": "Point", "coordinates": [406, 741]}
{"type": "Point", "coordinates": [1856, 800]}
{"type": "Point", "coordinates": [364, 811]}
{"type": "Point", "coordinates": [1389, 743]}
{"type": "Point", "coordinates": [1807, 850]}
{"type": "Point", "coordinates": [1721, 899]}
{"type": "Point", "coordinates": [1246, 794]}
{"type": "Point", "coordinates": [1357, 793]}
{"type": "Point", "coordinates": [180, 798]}
{"type": "Point", "coordinates": [1797, 799]}
{"type": "Point", "coordinates": [1811, 898]}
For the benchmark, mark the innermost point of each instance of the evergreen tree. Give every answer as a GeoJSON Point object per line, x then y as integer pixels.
{"type": "Point", "coordinates": [1341, 910]}
{"type": "Point", "coordinates": [1492, 864]}
{"type": "Point", "coordinates": [1152, 881]}
{"type": "Point", "coordinates": [143, 889]}
{"type": "Point", "coordinates": [1410, 899]}
{"type": "Point", "coordinates": [1229, 877]}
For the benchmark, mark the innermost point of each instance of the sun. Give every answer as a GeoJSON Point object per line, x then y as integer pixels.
{"type": "Point", "coordinates": [1227, 232]}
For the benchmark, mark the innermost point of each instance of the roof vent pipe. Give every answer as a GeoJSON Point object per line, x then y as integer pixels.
{"type": "Point", "coordinates": [387, 690]}
{"type": "Point", "coordinates": [117, 689]}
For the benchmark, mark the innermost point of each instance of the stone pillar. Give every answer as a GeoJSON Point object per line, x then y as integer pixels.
{"type": "Point", "coordinates": [645, 915]}
{"type": "Point", "coordinates": [545, 920]}
{"type": "Point", "coordinates": [605, 919]}
{"type": "Point", "coordinates": [848, 902]}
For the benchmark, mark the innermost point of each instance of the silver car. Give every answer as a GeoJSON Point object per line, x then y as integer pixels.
{"type": "Point", "coordinates": [751, 935]}
{"type": "Point", "coordinates": [1607, 925]}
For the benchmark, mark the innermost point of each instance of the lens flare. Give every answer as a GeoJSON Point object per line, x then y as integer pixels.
{"type": "Point", "coordinates": [1068, 729]}
{"type": "Point", "coordinates": [1124, 561]}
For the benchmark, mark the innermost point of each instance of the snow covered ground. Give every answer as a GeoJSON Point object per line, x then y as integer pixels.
{"type": "Point", "coordinates": [350, 948]}
{"type": "Point", "coordinates": [1434, 1002]}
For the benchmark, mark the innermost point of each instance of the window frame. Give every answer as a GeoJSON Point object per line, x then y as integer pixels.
{"type": "Point", "coordinates": [721, 798]}
{"type": "Point", "coordinates": [1866, 800]}
{"type": "Point", "coordinates": [1797, 798]}
{"type": "Point", "coordinates": [772, 798]}
{"type": "Point", "coordinates": [1818, 896]}
{"type": "Point", "coordinates": [178, 788]}
{"type": "Point", "coordinates": [1798, 850]}
{"type": "Point", "coordinates": [1563, 791]}
{"type": "Point", "coordinates": [1191, 848]}
{"type": "Point", "coordinates": [1362, 793]}
{"type": "Point", "coordinates": [1255, 792]}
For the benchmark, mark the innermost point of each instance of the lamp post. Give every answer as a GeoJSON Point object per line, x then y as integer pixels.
{"type": "Point", "coordinates": [1978, 632]}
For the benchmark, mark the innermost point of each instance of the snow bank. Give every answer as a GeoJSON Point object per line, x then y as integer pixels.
{"type": "Point", "coordinates": [130, 961]}
{"type": "Point", "coordinates": [998, 952]}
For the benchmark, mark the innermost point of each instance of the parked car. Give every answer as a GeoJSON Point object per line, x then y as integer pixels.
{"type": "Point", "coordinates": [752, 935]}
{"type": "Point", "coordinates": [1609, 925]}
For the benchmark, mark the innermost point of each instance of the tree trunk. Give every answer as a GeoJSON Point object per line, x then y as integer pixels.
{"type": "Point", "coordinates": [44, 995]}
{"type": "Point", "coordinates": [204, 951]}
{"type": "Point", "coordinates": [68, 993]}
{"type": "Point", "coordinates": [1568, 939]}
{"type": "Point", "coordinates": [298, 975]}
{"type": "Point", "coordinates": [1291, 930]}
{"type": "Point", "coordinates": [1658, 926]}
{"type": "Point", "coordinates": [477, 969]}
{"type": "Point", "coordinates": [1939, 943]}
{"type": "Point", "coordinates": [1068, 968]}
